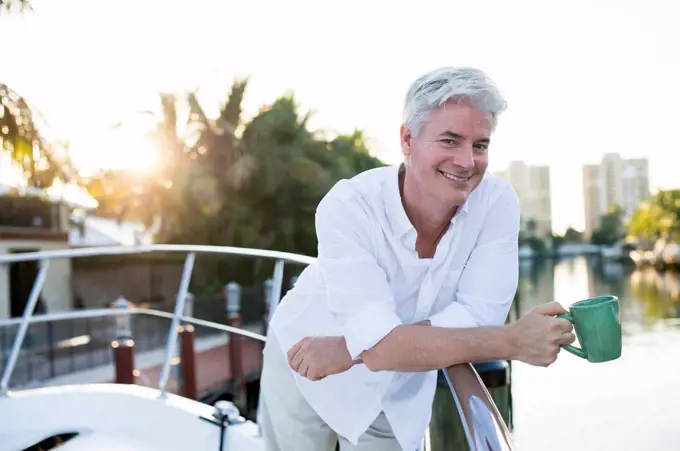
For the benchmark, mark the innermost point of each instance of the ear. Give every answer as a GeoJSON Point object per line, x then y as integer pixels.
{"type": "Point", "coordinates": [405, 139]}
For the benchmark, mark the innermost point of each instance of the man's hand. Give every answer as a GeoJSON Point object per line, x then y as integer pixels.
{"type": "Point", "coordinates": [319, 357]}
{"type": "Point", "coordinates": [538, 335]}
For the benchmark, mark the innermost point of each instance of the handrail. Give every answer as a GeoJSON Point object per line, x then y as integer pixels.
{"type": "Point", "coordinates": [63, 316]}
{"type": "Point", "coordinates": [202, 322]}
{"type": "Point", "coordinates": [98, 313]}
{"type": "Point", "coordinates": [484, 426]}
{"type": "Point", "coordinates": [127, 250]}
{"type": "Point", "coordinates": [45, 256]}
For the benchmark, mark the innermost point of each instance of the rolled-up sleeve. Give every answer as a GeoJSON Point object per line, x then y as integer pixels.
{"type": "Point", "coordinates": [489, 280]}
{"type": "Point", "coordinates": [357, 290]}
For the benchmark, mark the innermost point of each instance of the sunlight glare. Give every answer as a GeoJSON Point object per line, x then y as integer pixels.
{"type": "Point", "coordinates": [140, 155]}
{"type": "Point", "coordinates": [10, 172]}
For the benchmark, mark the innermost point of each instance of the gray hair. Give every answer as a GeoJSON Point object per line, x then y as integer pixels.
{"type": "Point", "coordinates": [437, 87]}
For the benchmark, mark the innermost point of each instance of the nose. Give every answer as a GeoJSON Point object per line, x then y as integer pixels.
{"type": "Point", "coordinates": [464, 159]}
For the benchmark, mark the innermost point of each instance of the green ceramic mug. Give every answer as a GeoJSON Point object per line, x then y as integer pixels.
{"type": "Point", "coordinates": [598, 328]}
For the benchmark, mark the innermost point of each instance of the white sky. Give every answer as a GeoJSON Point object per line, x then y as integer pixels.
{"type": "Point", "coordinates": [581, 80]}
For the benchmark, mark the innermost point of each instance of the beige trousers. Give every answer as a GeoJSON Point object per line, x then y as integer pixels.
{"type": "Point", "coordinates": [289, 423]}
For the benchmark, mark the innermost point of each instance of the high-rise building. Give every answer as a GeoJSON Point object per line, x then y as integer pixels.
{"type": "Point", "coordinates": [532, 184]}
{"type": "Point", "coordinates": [615, 181]}
{"type": "Point", "coordinates": [591, 197]}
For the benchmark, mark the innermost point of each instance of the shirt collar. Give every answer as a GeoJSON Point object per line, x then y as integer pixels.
{"type": "Point", "coordinates": [395, 208]}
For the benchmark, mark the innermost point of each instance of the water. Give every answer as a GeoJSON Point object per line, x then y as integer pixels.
{"type": "Point", "coordinates": [632, 403]}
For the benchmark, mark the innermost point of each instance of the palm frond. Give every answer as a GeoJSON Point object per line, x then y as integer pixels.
{"type": "Point", "coordinates": [12, 5]}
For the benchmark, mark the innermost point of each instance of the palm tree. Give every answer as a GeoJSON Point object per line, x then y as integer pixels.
{"type": "Point", "coordinates": [9, 5]}
{"type": "Point", "coordinates": [287, 177]}
{"type": "Point", "coordinates": [163, 193]}
{"type": "Point", "coordinates": [217, 145]}
{"type": "Point", "coordinates": [40, 161]}
{"type": "Point", "coordinates": [20, 136]}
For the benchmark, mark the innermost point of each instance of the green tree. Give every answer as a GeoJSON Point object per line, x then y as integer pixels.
{"type": "Point", "coordinates": [556, 241]}
{"type": "Point", "coordinates": [527, 236]}
{"type": "Point", "coordinates": [120, 195]}
{"type": "Point", "coordinates": [293, 168]}
{"type": "Point", "coordinates": [222, 167]}
{"type": "Point", "coordinates": [531, 226]}
{"type": "Point", "coordinates": [287, 178]}
{"type": "Point", "coordinates": [611, 227]}
{"type": "Point", "coordinates": [658, 217]}
{"type": "Point", "coordinates": [572, 235]}
{"type": "Point", "coordinates": [350, 155]}
{"type": "Point", "coordinates": [41, 162]}
{"type": "Point", "coordinates": [225, 182]}
{"type": "Point", "coordinates": [160, 199]}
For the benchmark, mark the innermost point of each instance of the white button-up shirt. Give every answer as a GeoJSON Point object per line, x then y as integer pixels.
{"type": "Point", "coordinates": [368, 279]}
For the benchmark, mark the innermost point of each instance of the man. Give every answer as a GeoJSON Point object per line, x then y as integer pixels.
{"type": "Point", "coordinates": [417, 268]}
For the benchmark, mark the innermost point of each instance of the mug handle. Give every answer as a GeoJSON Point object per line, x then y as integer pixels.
{"type": "Point", "coordinates": [573, 349]}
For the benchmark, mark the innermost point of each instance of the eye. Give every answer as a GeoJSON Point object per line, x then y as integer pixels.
{"type": "Point", "coordinates": [481, 148]}
{"type": "Point", "coordinates": [449, 142]}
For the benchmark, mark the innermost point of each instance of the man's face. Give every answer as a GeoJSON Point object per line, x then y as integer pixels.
{"type": "Point", "coordinates": [449, 156]}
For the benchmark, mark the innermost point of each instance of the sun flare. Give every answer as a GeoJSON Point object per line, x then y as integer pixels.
{"type": "Point", "coordinates": [119, 150]}
{"type": "Point", "coordinates": [140, 155]}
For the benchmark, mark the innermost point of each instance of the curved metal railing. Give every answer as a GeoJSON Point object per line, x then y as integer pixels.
{"type": "Point", "coordinates": [128, 250]}
{"type": "Point", "coordinates": [482, 423]}
{"type": "Point", "coordinates": [44, 258]}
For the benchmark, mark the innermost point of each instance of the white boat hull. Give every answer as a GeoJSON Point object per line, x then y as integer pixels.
{"type": "Point", "coordinates": [120, 417]}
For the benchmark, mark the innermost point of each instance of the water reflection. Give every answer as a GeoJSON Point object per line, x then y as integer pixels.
{"type": "Point", "coordinates": [650, 299]}
{"type": "Point", "coordinates": [627, 404]}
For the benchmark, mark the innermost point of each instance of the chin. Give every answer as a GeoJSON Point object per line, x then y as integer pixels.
{"type": "Point", "coordinates": [457, 199]}
{"type": "Point", "coordinates": [456, 193]}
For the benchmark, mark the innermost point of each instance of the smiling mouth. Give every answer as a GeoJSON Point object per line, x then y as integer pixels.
{"type": "Point", "coordinates": [455, 178]}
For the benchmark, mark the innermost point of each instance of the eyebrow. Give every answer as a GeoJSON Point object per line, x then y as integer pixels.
{"type": "Point", "coordinates": [455, 135]}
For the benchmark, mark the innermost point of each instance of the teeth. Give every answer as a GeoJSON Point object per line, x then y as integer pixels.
{"type": "Point", "coordinates": [454, 177]}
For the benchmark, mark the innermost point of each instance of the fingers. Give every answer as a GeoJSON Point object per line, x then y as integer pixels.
{"type": "Point", "coordinates": [315, 375]}
{"type": "Point", "coordinates": [550, 309]}
{"type": "Point", "coordinates": [296, 361]}
{"type": "Point", "coordinates": [566, 339]}
{"type": "Point", "coordinates": [294, 350]}
{"type": "Point", "coordinates": [299, 360]}
{"type": "Point", "coordinates": [563, 325]}
{"type": "Point", "coordinates": [311, 373]}
{"type": "Point", "coordinates": [304, 369]}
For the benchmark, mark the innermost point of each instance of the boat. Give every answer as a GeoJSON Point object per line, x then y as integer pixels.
{"type": "Point", "coordinates": [85, 415]}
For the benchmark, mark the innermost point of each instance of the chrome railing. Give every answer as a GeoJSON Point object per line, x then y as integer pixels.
{"type": "Point", "coordinates": [45, 257]}
{"type": "Point", "coordinates": [484, 427]}
{"type": "Point", "coordinates": [483, 424]}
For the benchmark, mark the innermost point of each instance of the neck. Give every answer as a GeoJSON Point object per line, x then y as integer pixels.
{"type": "Point", "coordinates": [429, 216]}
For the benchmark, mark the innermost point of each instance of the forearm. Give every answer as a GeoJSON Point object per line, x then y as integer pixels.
{"type": "Point", "coordinates": [417, 348]}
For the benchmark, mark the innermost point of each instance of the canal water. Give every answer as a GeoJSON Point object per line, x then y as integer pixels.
{"type": "Point", "coordinates": [629, 404]}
